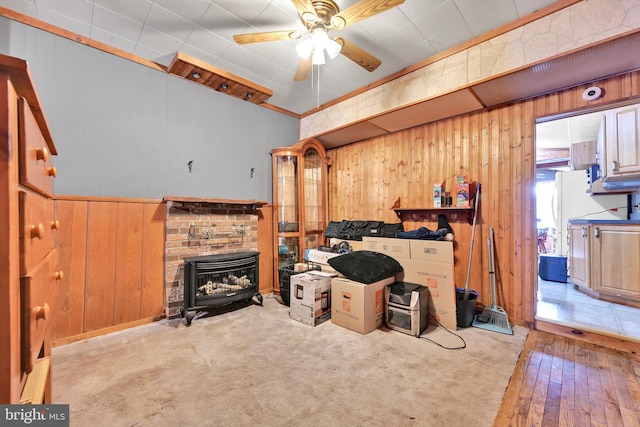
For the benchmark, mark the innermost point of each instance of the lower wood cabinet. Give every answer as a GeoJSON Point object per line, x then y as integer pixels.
{"type": "Point", "coordinates": [605, 260]}
{"type": "Point", "coordinates": [616, 260]}
{"type": "Point", "coordinates": [579, 256]}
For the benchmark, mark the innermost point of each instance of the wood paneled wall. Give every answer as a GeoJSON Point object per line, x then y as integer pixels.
{"type": "Point", "coordinates": [495, 147]}
{"type": "Point", "coordinates": [112, 253]}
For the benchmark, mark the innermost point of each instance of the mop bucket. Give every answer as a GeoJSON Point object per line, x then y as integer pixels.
{"type": "Point", "coordinates": [465, 309]}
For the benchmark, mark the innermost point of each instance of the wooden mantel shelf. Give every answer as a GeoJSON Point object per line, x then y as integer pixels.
{"type": "Point", "coordinates": [452, 214]}
{"type": "Point", "coordinates": [257, 203]}
{"type": "Point", "coordinates": [225, 206]}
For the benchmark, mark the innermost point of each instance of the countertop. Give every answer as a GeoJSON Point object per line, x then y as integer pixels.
{"type": "Point", "coordinates": [606, 221]}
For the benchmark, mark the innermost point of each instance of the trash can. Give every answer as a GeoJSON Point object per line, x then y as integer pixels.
{"type": "Point", "coordinates": [465, 309]}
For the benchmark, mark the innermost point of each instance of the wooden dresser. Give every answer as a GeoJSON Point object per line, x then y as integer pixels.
{"type": "Point", "coordinates": [29, 277]}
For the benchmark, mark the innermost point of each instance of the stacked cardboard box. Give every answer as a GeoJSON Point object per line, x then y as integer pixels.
{"type": "Point", "coordinates": [428, 263]}
{"type": "Point", "coordinates": [310, 300]}
{"type": "Point", "coordinates": [358, 306]}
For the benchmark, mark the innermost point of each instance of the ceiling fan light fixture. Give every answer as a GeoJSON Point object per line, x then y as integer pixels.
{"type": "Point", "coordinates": [318, 57]}
{"type": "Point", "coordinates": [304, 48]}
{"type": "Point", "coordinates": [333, 48]}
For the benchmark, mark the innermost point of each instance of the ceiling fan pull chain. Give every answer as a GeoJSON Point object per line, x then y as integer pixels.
{"type": "Point", "coordinates": [318, 89]}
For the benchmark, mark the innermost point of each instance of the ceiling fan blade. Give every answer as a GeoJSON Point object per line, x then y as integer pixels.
{"type": "Point", "coordinates": [306, 10]}
{"type": "Point", "coordinates": [362, 10]}
{"type": "Point", "coordinates": [303, 69]}
{"type": "Point", "coordinates": [267, 37]}
{"type": "Point", "coordinates": [358, 55]}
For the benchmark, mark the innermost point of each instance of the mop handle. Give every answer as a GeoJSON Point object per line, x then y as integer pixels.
{"type": "Point", "coordinates": [473, 233]}
{"type": "Point", "coordinates": [492, 268]}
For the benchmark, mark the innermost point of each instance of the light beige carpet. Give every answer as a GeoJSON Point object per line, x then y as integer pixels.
{"type": "Point", "coordinates": [256, 367]}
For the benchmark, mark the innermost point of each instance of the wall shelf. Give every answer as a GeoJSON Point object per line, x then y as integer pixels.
{"type": "Point", "coordinates": [452, 214]}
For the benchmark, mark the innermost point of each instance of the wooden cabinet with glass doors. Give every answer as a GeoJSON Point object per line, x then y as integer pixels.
{"type": "Point", "coordinates": [299, 202]}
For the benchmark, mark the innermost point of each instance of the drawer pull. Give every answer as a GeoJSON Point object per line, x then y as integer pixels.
{"type": "Point", "coordinates": [58, 275]}
{"type": "Point", "coordinates": [42, 312]}
{"type": "Point", "coordinates": [55, 225]}
{"type": "Point", "coordinates": [42, 154]}
{"type": "Point", "coordinates": [53, 171]}
{"type": "Point", "coordinates": [37, 231]}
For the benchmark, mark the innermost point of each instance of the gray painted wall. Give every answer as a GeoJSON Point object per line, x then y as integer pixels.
{"type": "Point", "coordinates": [125, 130]}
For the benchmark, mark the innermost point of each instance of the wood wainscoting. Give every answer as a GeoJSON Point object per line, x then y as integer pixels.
{"type": "Point", "coordinates": [112, 253]}
{"type": "Point", "coordinates": [494, 147]}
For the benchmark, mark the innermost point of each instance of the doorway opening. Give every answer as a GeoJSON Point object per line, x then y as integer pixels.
{"type": "Point", "coordinates": [558, 299]}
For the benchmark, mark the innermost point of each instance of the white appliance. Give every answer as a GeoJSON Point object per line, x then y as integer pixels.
{"type": "Point", "coordinates": [570, 200]}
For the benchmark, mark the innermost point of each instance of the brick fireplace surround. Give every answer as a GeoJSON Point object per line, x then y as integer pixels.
{"type": "Point", "coordinates": [197, 226]}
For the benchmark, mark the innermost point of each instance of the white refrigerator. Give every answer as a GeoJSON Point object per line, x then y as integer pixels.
{"type": "Point", "coordinates": [570, 200]}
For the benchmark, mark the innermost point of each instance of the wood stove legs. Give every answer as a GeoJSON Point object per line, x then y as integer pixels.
{"type": "Point", "coordinates": [258, 298]}
{"type": "Point", "coordinates": [190, 314]}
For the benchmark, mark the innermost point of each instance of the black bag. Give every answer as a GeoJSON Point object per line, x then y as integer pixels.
{"type": "Point", "coordinates": [390, 230]}
{"type": "Point", "coordinates": [332, 230]}
{"type": "Point", "coordinates": [373, 229]}
{"type": "Point", "coordinates": [344, 230]}
{"type": "Point", "coordinates": [356, 231]}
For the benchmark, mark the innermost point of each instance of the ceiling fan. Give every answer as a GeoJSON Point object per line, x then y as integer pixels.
{"type": "Point", "coordinates": [321, 16]}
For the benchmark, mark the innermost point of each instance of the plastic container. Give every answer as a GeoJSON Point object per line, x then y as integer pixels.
{"type": "Point", "coordinates": [465, 309]}
{"type": "Point", "coordinates": [553, 268]}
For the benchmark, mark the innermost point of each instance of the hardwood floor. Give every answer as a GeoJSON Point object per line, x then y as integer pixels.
{"type": "Point", "coordinates": [559, 381]}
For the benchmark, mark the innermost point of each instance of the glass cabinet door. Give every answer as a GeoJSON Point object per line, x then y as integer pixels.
{"type": "Point", "coordinates": [313, 196]}
{"type": "Point", "coordinates": [288, 214]}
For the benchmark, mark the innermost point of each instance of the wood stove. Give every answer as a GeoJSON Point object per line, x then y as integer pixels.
{"type": "Point", "coordinates": [214, 281]}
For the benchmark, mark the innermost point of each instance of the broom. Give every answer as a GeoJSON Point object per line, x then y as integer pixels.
{"type": "Point", "coordinates": [493, 318]}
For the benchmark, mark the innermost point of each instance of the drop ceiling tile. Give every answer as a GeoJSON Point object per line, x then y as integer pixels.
{"type": "Point", "coordinates": [106, 20]}
{"type": "Point", "coordinates": [152, 54]}
{"type": "Point", "coordinates": [449, 105]}
{"type": "Point", "coordinates": [191, 10]}
{"type": "Point", "coordinates": [64, 21]}
{"type": "Point", "coordinates": [74, 9]}
{"type": "Point", "coordinates": [380, 26]}
{"type": "Point", "coordinates": [165, 21]}
{"type": "Point", "coordinates": [112, 39]}
{"type": "Point", "coordinates": [26, 7]}
{"type": "Point", "coordinates": [486, 15]}
{"type": "Point", "coordinates": [273, 18]}
{"type": "Point", "coordinates": [403, 38]}
{"type": "Point", "coordinates": [222, 22]}
{"type": "Point", "coordinates": [206, 41]}
{"type": "Point", "coordinates": [525, 7]}
{"type": "Point", "coordinates": [415, 9]}
{"type": "Point", "coordinates": [443, 22]}
{"type": "Point", "coordinates": [246, 10]}
{"type": "Point", "coordinates": [159, 42]}
{"type": "Point", "coordinates": [134, 10]}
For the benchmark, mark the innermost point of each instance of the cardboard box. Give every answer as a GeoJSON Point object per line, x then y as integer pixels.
{"type": "Point", "coordinates": [446, 316]}
{"type": "Point", "coordinates": [395, 248]}
{"type": "Point", "coordinates": [358, 306]}
{"type": "Point", "coordinates": [432, 250]}
{"type": "Point", "coordinates": [310, 297]}
{"type": "Point", "coordinates": [438, 277]}
{"type": "Point", "coordinates": [437, 195]}
{"type": "Point", "coordinates": [318, 256]}
{"type": "Point", "coordinates": [462, 195]}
